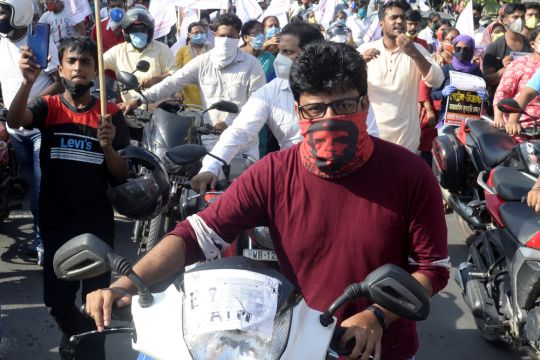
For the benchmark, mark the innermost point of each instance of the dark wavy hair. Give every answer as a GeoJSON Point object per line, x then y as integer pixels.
{"type": "Point", "coordinates": [402, 4]}
{"type": "Point", "coordinates": [79, 44]}
{"type": "Point", "coordinates": [327, 67]}
{"type": "Point", "coordinates": [229, 20]}
{"type": "Point", "coordinates": [306, 33]}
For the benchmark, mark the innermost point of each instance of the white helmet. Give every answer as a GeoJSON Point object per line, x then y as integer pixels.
{"type": "Point", "coordinates": [22, 12]}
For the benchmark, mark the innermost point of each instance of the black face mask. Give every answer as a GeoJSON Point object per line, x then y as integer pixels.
{"type": "Point", "coordinates": [5, 27]}
{"type": "Point", "coordinates": [476, 20]}
{"type": "Point", "coordinates": [464, 55]}
{"type": "Point", "coordinates": [76, 90]}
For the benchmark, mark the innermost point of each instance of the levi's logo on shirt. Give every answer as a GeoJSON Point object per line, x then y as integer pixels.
{"type": "Point", "coordinates": [75, 147]}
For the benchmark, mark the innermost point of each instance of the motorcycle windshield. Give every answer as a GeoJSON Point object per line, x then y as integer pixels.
{"type": "Point", "coordinates": [170, 130]}
{"type": "Point", "coordinates": [232, 313]}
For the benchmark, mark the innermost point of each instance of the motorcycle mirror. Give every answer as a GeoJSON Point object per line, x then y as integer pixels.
{"type": "Point", "coordinates": [143, 66]}
{"type": "Point", "coordinates": [510, 106]}
{"type": "Point", "coordinates": [128, 80]}
{"type": "Point", "coordinates": [186, 154]}
{"type": "Point", "coordinates": [83, 257]}
{"type": "Point", "coordinates": [225, 106]}
{"type": "Point", "coordinates": [396, 290]}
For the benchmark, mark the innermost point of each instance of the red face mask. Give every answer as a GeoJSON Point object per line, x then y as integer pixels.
{"type": "Point", "coordinates": [336, 146]}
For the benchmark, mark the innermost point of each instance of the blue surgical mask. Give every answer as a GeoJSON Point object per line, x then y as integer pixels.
{"type": "Point", "coordinates": [273, 31]}
{"type": "Point", "coordinates": [362, 12]}
{"type": "Point", "coordinates": [198, 39]}
{"type": "Point", "coordinates": [116, 14]}
{"type": "Point", "coordinates": [258, 42]}
{"type": "Point", "coordinates": [139, 39]}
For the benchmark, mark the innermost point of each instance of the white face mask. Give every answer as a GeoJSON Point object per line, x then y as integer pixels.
{"type": "Point", "coordinates": [282, 66]}
{"type": "Point", "coordinates": [225, 50]}
{"type": "Point", "coordinates": [516, 25]}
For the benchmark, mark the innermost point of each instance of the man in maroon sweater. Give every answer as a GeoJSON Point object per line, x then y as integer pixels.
{"type": "Point", "coordinates": [339, 205]}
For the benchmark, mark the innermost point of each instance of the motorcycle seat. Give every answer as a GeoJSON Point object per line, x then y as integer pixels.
{"type": "Point", "coordinates": [520, 220]}
{"type": "Point", "coordinates": [511, 184]}
{"type": "Point", "coordinates": [494, 145]}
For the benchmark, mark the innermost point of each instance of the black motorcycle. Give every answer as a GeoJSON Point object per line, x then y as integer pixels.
{"type": "Point", "coordinates": [475, 149]}
{"type": "Point", "coordinates": [11, 182]}
{"type": "Point", "coordinates": [255, 243]}
{"type": "Point", "coordinates": [501, 278]}
{"type": "Point", "coordinates": [171, 124]}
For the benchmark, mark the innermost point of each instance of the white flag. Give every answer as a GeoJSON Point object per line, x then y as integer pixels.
{"type": "Point", "coordinates": [164, 15]}
{"type": "Point", "coordinates": [277, 7]}
{"type": "Point", "coordinates": [79, 9]}
{"type": "Point", "coordinates": [204, 4]}
{"type": "Point", "coordinates": [324, 12]}
{"type": "Point", "coordinates": [465, 23]}
{"type": "Point", "coordinates": [248, 10]}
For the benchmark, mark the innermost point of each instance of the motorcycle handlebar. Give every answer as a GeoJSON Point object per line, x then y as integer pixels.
{"type": "Point", "coordinates": [347, 350]}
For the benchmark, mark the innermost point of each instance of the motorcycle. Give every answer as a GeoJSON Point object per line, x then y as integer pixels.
{"type": "Point", "coordinates": [234, 307]}
{"type": "Point", "coordinates": [460, 158]}
{"type": "Point", "coordinates": [256, 243]}
{"type": "Point", "coordinates": [500, 281]}
{"type": "Point", "coordinates": [10, 179]}
{"type": "Point", "coordinates": [171, 124]}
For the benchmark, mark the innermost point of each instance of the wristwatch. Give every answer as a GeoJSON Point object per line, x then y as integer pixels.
{"type": "Point", "coordinates": [379, 314]}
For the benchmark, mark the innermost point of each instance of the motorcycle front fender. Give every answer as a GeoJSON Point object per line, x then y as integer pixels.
{"type": "Point", "coordinates": [159, 327]}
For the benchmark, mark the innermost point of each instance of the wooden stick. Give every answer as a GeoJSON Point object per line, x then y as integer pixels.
{"type": "Point", "coordinates": [101, 72]}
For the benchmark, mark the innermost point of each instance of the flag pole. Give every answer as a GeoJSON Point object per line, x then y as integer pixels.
{"type": "Point", "coordinates": [101, 73]}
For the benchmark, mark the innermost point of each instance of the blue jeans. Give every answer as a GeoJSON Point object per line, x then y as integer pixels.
{"type": "Point", "coordinates": [27, 149]}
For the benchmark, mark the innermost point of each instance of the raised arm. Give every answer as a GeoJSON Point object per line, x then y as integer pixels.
{"type": "Point", "coordinates": [18, 114]}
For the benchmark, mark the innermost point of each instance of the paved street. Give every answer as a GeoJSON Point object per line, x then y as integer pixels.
{"type": "Point", "coordinates": [29, 333]}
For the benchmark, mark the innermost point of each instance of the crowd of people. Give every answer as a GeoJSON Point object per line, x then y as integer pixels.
{"type": "Point", "coordinates": [354, 104]}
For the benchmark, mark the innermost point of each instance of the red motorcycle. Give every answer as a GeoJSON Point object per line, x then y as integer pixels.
{"type": "Point", "coordinates": [477, 148]}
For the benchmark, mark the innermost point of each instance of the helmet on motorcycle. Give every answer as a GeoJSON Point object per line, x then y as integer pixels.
{"type": "Point", "coordinates": [338, 33]}
{"type": "Point", "coordinates": [138, 16]}
{"type": "Point", "coordinates": [145, 194]}
{"type": "Point", "coordinates": [22, 12]}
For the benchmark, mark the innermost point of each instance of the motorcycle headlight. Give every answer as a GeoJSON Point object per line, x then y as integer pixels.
{"type": "Point", "coordinates": [240, 344]}
{"type": "Point", "coordinates": [231, 314]}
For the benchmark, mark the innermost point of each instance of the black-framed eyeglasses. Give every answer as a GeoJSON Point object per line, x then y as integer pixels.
{"type": "Point", "coordinates": [256, 32]}
{"type": "Point", "coordinates": [341, 107]}
{"type": "Point", "coordinates": [460, 49]}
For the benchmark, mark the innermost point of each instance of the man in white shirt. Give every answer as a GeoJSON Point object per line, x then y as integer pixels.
{"type": "Point", "coordinates": [395, 66]}
{"type": "Point", "coordinates": [223, 73]}
{"type": "Point", "coordinates": [478, 29]}
{"type": "Point", "coordinates": [27, 143]}
{"type": "Point", "coordinates": [59, 17]}
{"type": "Point", "coordinates": [273, 104]}
{"type": "Point", "coordinates": [359, 22]}
{"type": "Point", "coordinates": [427, 33]}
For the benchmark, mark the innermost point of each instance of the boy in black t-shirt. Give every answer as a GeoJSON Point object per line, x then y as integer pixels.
{"type": "Point", "coordinates": [78, 160]}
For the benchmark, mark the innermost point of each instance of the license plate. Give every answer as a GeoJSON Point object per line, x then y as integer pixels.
{"type": "Point", "coordinates": [262, 255]}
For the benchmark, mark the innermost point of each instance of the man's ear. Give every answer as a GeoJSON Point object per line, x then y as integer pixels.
{"type": "Point", "coordinates": [364, 103]}
{"type": "Point", "coordinates": [297, 111]}
{"type": "Point", "coordinates": [60, 70]}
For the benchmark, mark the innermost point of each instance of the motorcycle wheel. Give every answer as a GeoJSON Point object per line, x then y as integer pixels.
{"type": "Point", "coordinates": [489, 336]}
{"type": "Point", "coordinates": [157, 228]}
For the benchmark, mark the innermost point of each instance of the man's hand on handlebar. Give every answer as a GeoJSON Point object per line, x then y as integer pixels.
{"type": "Point", "coordinates": [200, 182]}
{"type": "Point", "coordinates": [220, 126]}
{"type": "Point", "coordinates": [513, 128]}
{"type": "Point", "coordinates": [128, 106]}
{"type": "Point", "coordinates": [99, 304]}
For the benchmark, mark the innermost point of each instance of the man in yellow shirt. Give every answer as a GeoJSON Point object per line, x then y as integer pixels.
{"type": "Point", "coordinates": [138, 28]}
